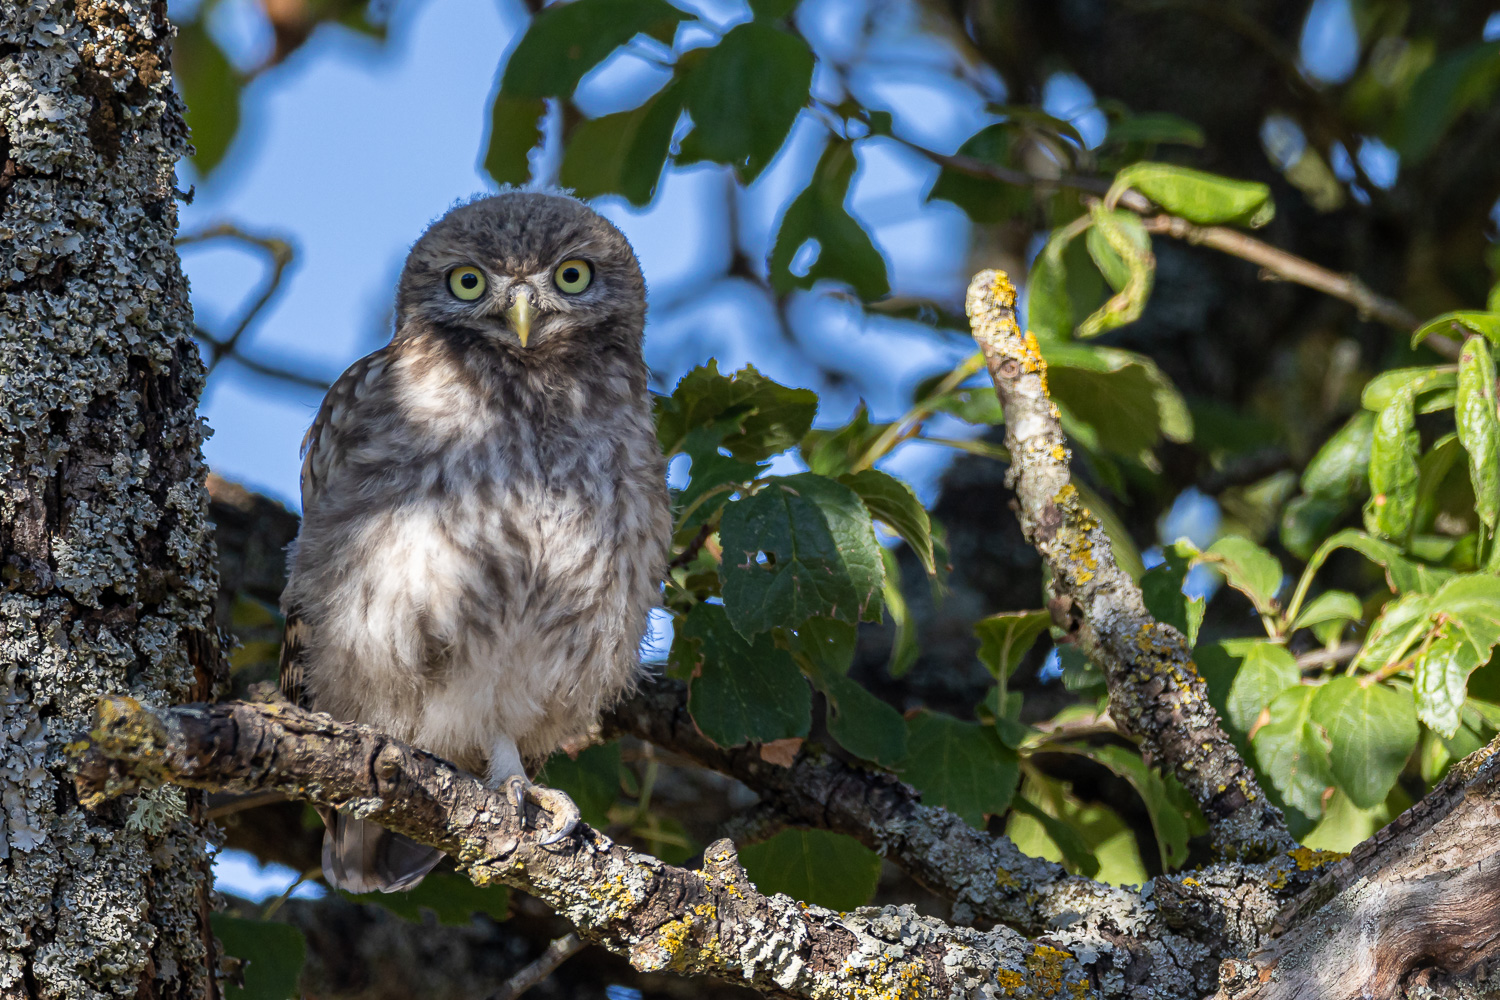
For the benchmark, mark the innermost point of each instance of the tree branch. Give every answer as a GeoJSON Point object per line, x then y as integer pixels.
{"type": "Point", "coordinates": [707, 922]}
{"type": "Point", "coordinates": [1155, 690]}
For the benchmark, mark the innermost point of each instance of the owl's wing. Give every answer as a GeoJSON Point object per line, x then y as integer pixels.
{"type": "Point", "coordinates": [326, 442]}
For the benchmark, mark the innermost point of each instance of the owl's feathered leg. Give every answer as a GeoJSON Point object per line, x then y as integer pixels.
{"type": "Point", "coordinates": [360, 856]}
{"type": "Point", "coordinates": [507, 771]}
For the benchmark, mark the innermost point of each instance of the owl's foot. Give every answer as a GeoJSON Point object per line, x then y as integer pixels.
{"type": "Point", "coordinates": [565, 815]}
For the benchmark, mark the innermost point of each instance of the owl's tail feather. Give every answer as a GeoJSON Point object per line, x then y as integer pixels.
{"type": "Point", "coordinates": [360, 856]}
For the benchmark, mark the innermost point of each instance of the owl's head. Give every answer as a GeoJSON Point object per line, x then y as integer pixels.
{"type": "Point", "coordinates": [538, 276]}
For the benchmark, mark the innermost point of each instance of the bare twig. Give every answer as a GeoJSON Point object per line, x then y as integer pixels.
{"type": "Point", "coordinates": [1320, 658]}
{"type": "Point", "coordinates": [558, 952]}
{"type": "Point", "coordinates": [1155, 690]}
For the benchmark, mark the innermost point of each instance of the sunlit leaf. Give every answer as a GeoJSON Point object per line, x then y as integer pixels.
{"type": "Point", "coordinates": [1440, 679]}
{"type": "Point", "coordinates": [1393, 467]}
{"type": "Point", "coordinates": [1479, 427]}
{"type": "Point", "coordinates": [1341, 466]}
{"type": "Point", "coordinates": [1249, 569]}
{"type": "Point", "coordinates": [1206, 199]}
{"type": "Point", "coordinates": [1330, 606]}
{"type": "Point", "coordinates": [1173, 817]}
{"type": "Point", "coordinates": [1381, 389]}
{"type": "Point", "coordinates": [746, 413]}
{"type": "Point", "coordinates": [892, 501]}
{"type": "Point", "coordinates": [1124, 235]}
{"type": "Point", "coordinates": [1460, 325]}
{"type": "Point", "coordinates": [1292, 750]}
{"type": "Point", "coordinates": [1006, 638]}
{"type": "Point", "coordinates": [1266, 669]}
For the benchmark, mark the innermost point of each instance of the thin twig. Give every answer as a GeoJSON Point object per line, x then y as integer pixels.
{"type": "Point", "coordinates": [557, 953]}
{"type": "Point", "coordinates": [1320, 658]}
{"type": "Point", "coordinates": [281, 255]}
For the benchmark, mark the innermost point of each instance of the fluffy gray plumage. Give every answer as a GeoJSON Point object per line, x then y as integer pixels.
{"type": "Point", "coordinates": [485, 518]}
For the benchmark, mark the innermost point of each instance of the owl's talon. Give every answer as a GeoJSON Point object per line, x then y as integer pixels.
{"type": "Point", "coordinates": [565, 815]}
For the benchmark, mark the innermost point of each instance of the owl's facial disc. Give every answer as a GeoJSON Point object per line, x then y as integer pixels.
{"type": "Point", "coordinates": [519, 314]}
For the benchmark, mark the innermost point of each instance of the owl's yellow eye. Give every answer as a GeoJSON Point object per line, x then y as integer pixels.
{"type": "Point", "coordinates": [466, 283]}
{"type": "Point", "coordinates": [573, 276]}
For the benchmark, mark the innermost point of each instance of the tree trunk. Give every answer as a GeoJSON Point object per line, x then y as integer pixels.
{"type": "Point", "coordinates": [107, 572]}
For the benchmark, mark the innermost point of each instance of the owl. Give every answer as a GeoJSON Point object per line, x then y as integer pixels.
{"type": "Point", "coordinates": [485, 518]}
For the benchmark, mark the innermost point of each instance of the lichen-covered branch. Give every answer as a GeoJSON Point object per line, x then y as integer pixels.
{"type": "Point", "coordinates": [1421, 896]}
{"type": "Point", "coordinates": [1155, 690]}
{"type": "Point", "coordinates": [712, 921]}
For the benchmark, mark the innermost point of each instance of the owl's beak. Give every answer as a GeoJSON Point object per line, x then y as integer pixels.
{"type": "Point", "coordinates": [519, 315]}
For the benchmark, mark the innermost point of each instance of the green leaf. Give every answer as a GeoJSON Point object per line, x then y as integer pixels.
{"type": "Point", "coordinates": [711, 478]}
{"type": "Point", "coordinates": [1372, 730]}
{"type": "Point", "coordinates": [1075, 850]}
{"type": "Point", "coordinates": [1249, 569]}
{"type": "Point", "coordinates": [1161, 588]}
{"type": "Point", "coordinates": [746, 413]}
{"type": "Point", "coordinates": [622, 153]}
{"type": "Point", "coordinates": [515, 130]}
{"type": "Point", "coordinates": [1341, 466]}
{"type": "Point", "coordinates": [1381, 389]}
{"type": "Point", "coordinates": [772, 10]}
{"type": "Point", "coordinates": [1049, 306]}
{"type": "Point", "coordinates": [451, 898]}
{"type": "Point", "coordinates": [1124, 397]}
{"type": "Point", "coordinates": [801, 546]}
{"type": "Point", "coordinates": [815, 866]}
{"type": "Point", "coordinates": [1393, 467]}
{"type": "Point", "coordinates": [1454, 83]}
{"type": "Point", "coordinates": [1266, 669]}
{"type": "Point", "coordinates": [740, 692]}
{"type": "Point", "coordinates": [1154, 128]}
{"type": "Point", "coordinates": [904, 648]}
{"type": "Point", "coordinates": [566, 40]}
{"type": "Point", "coordinates": [1479, 427]}
{"type": "Point", "coordinates": [833, 453]}
{"type": "Point", "coordinates": [1292, 750]}
{"type": "Point", "coordinates": [272, 953]}
{"type": "Point", "coordinates": [1126, 236]}
{"type": "Point", "coordinates": [1401, 573]}
{"type": "Point", "coordinates": [890, 500]}
{"type": "Point", "coordinates": [1330, 606]}
{"type": "Point", "coordinates": [1172, 816]}
{"type": "Point", "coordinates": [1472, 602]}
{"type": "Point", "coordinates": [978, 405]}
{"type": "Point", "coordinates": [1206, 199]}
{"type": "Point", "coordinates": [1461, 325]}
{"type": "Point", "coordinates": [863, 724]}
{"type": "Point", "coordinates": [591, 780]}
{"type": "Point", "coordinates": [744, 94]}
{"type": "Point", "coordinates": [210, 88]}
{"type": "Point", "coordinates": [1005, 639]}
{"type": "Point", "coordinates": [960, 766]}
{"type": "Point", "coordinates": [844, 251]}
{"type": "Point", "coordinates": [1440, 682]}
{"type": "Point", "coordinates": [1401, 623]}
{"type": "Point", "coordinates": [1307, 519]}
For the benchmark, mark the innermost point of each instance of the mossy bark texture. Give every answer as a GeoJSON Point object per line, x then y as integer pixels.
{"type": "Point", "coordinates": [106, 558]}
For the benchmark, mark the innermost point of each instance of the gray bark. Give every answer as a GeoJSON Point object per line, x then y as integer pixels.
{"type": "Point", "coordinates": [106, 557]}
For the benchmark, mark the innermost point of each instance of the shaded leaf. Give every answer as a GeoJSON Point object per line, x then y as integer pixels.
{"type": "Point", "coordinates": [815, 866]}
{"type": "Point", "coordinates": [515, 130]}
{"type": "Point", "coordinates": [450, 897]}
{"type": "Point", "coordinates": [833, 453]}
{"type": "Point", "coordinates": [863, 724]}
{"type": "Point", "coordinates": [818, 221]}
{"type": "Point", "coordinates": [591, 780]}
{"type": "Point", "coordinates": [746, 414]}
{"type": "Point", "coordinates": [744, 95]}
{"type": "Point", "coordinates": [890, 500]}
{"type": "Point", "coordinates": [801, 546]}
{"type": "Point", "coordinates": [210, 88]}
{"type": "Point", "coordinates": [622, 153]}
{"type": "Point", "coordinates": [566, 40]}
{"type": "Point", "coordinates": [1454, 83]}
{"type": "Point", "coordinates": [1124, 397]}
{"type": "Point", "coordinates": [1341, 466]}
{"type": "Point", "coordinates": [741, 691]}
{"type": "Point", "coordinates": [1154, 128]}
{"type": "Point", "coordinates": [983, 199]}
{"type": "Point", "coordinates": [272, 953]}
{"type": "Point", "coordinates": [1372, 730]}
{"type": "Point", "coordinates": [1402, 574]}
{"type": "Point", "coordinates": [960, 766]}
{"type": "Point", "coordinates": [904, 650]}
{"type": "Point", "coordinates": [1206, 199]}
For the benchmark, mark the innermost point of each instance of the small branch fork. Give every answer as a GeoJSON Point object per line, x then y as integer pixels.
{"type": "Point", "coordinates": [1155, 690]}
{"type": "Point", "coordinates": [711, 921]}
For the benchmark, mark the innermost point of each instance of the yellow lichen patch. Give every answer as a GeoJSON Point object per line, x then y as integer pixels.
{"type": "Point", "coordinates": [906, 981]}
{"type": "Point", "coordinates": [1003, 291]}
{"type": "Point", "coordinates": [1034, 361]}
{"type": "Point", "coordinates": [614, 892]}
{"type": "Point", "coordinates": [1005, 879]}
{"type": "Point", "coordinates": [1059, 453]}
{"type": "Point", "coordinates": [1189, 880]}
{"type": "Point", "coordinates": [1008, 980]}
{"type": "Point", "coordinates": [1048, 971]}
{"type": "Point", "coordinates": [1307, 858]}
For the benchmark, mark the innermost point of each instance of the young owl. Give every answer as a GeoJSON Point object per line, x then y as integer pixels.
{"type": "Point", "coordinates": [485, 520]}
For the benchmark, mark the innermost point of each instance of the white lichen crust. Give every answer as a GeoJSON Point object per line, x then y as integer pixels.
{"type": "Point", "coordinates": [108, 572]}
